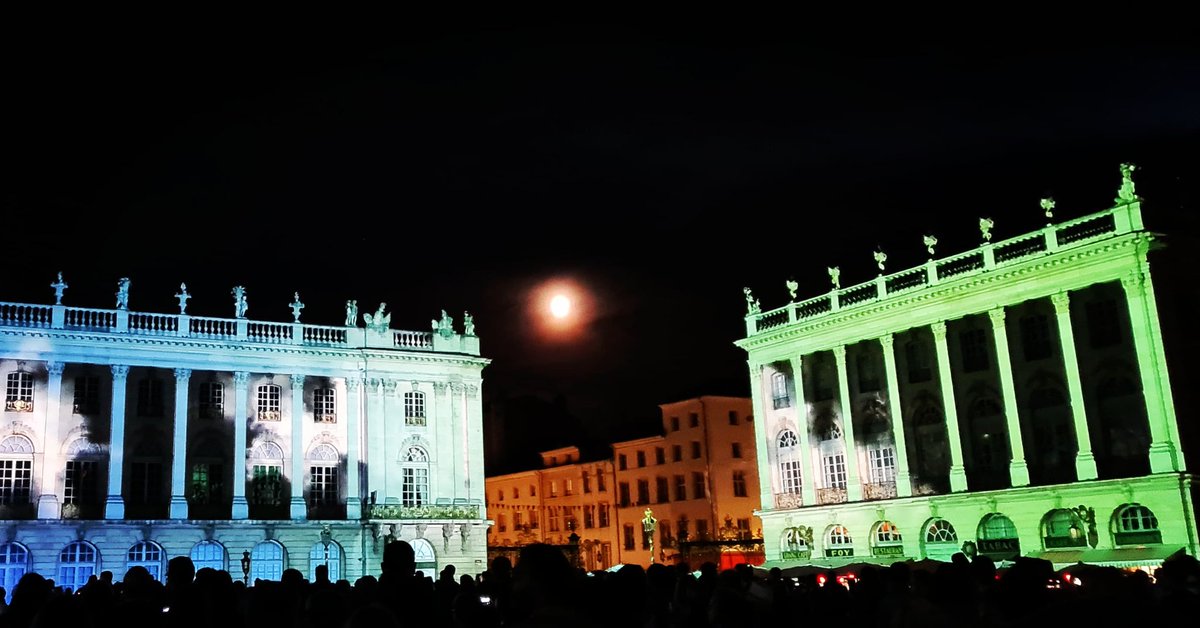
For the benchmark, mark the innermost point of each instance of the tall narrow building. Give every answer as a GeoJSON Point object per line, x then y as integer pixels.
{"type": "Point", "coordinates": [1012, 400]}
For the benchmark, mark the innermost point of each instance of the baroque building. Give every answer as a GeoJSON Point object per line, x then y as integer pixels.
{"type": "Point", "coordinates": [1010, 400]}
{"type": "Point", "coordinates": [130, 437]}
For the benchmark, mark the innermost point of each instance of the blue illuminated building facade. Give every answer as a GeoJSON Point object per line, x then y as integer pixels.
{"type": "Point", "coordinates": [128, 438]}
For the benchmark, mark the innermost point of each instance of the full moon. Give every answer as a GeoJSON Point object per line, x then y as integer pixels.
{"type": "Point", "coordinates": [560, 306]}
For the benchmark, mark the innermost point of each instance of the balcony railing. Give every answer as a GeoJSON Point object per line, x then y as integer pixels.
{"type": "Point", "coordinates": [879, 490]}
{"type": "Point", "coordinates": [428, 511]}
{"type": "Point", "coordinates": [831, 496]}
{"type": "Point", "coordinates": [992, 255]}
{"type": "Point", "coordinates": [784, 501]}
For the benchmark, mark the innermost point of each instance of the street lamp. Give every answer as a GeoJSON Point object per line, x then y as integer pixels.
{"type": "Point", "coordinates": [246, 568]}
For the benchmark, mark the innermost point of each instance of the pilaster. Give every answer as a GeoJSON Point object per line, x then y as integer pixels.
{"type": "Point", "coordinates": [1164, 454]}
{"type": "Point", "coordinates": [958, 472]}
{"type": "Point", "coordinates": [49, 505]}
{"type": "Point", "coordinates": [241, 403]}
{"type": "Point", "coordinates": [808, 481]}
{"type": "Point", "coordinates": [896, 416]}
{"type": "Point", "coordinates": [1018, 469]}
{"type": "Point", "coordinates": [353, 492]}
{"type": "Point", "coordinates": [853, 483]}
{"type": "Point", "coordinates": [298, 508]}
{"type": "Point", "coordinates": [179, 505]}
{"type": "Point", "coordinates": [114, 503]}
{"type": "Point", "coordinates": [1085, 460]}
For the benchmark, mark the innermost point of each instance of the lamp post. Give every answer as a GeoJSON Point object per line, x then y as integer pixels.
{"type": "Point", "coordinates": [246, 568]}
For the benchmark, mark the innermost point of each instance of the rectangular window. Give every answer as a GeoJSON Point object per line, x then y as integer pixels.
{"type": "Point", "coordinates": [267, 482]}
{"type": "Point", "coordinates": [600, 485]}
{"type": "Point", "coordinates": [533, 519]}
{"type": "Point", "coordinates": [516, 493]}
{"type": "Point", "coordinates": [917, 359]}
{"type": "Point", "coordinates": [501, 523]}
{"type": "Point", "coordinates": [1104, 324]}
{"type": "Point", "coordinates": [623, 494]}
{"type": "Point", "coordinates": [414, 408]}
{"type": "Point", "coordinates": [628, 537]}
{"type": "Point", "coordinates": [79, 482]}
{"type": "Point", "coordinates": [739, 483]}
{"type": "Point", "coordinates": [150, 398]}
{"type": "Point", "coordinates": [18, 394]}
{"type": "Point", "coordinates": [206, 483]}
{"type": "Point", "coordinates": [622, 462]}
{"type": "Point", "coordinates": [268, 403]}
{"type": "Point", "coordinates": [680, 488]}
{"type": "Point", "coordinates": [743, 526]}
{"type": "Point", "coordinates": [661, 490]}
{"type": "Point", "coordinates": [735, 450]}
{"type": "Point", "coordinates": [643, 492]}
{"type": "Point", "coordinates": [676, 453]}
{"type": "Point", "coordinates": [500, 495]}
{"type": "Point", "coordinates": [414, 487]}
{"type": "Point", "coordinates": [697, 485]}
{"type": "Point", "coordinates": [87, 395]}
{"type": "Point", "coordinates": [868, 375]}
{"type": "Point", "coordinates": [603, 515]}
{"type": "Point", "coordinates": [532, 490]}
{"type": "Point", "coordinates": [553, 488]}
{"type": "Point", "coordinates": [779, 391]}
{"type": "Point", "coordinates": [733, 417]}
{"type": "Point", "coordinates": [145, 483]}
{"type": "Point", "coordinates": [589, 519]}
{"type": "Point", "coordinates": [660, 455]}
{"type": "Point", "coordinates": [681, 530]}
{"type": "Point", "coordinates": [883, 464]}
{"type": "Point", "coordinates": [16, 480]}
{"type": "Point", "coordinates": [325, 405]}
{"type": "Point", "coordinates": [789, 471]}
{"type": "Point", "coordinates": [1035, 337]}
{"type": "Point", "coordinates": [674, 424]}
{"type": "Point", "coordinates": [974, 350]}
{"type": "Point", "coordinates": [587, 482]}
{"type": "Point", "coordinates": [555, 519]}
{"type": "Point", "coordinates": [568, 487]}
{"type": "Point", "coordinates": [695, 449]}
{"type": "Point", "coordinates": [702, 529]}
{"type": "Point", "coordinates": [517, 523]}
{"type": "Point", "coordinates": [323, 486]}
{"type": "Point", "coordinates": [835, 471]}
{"type": "Point", "coordinates": [693, 420]}
{"type": "Point", "coordinates": [641, 459]}
{"type": "Point", "coordinates": [212, 400]}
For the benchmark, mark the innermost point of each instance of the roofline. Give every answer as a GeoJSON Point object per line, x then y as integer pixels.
{"type": "Point", "coordinates": [704, 397]}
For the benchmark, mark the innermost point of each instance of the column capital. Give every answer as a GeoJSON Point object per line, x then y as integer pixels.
{"type": "Point", "coordinates": [352, 383]}
{"type": "Point", "coordinates": [439, 388]}
{"type": "Point", "coordinates": [839, 354]}
{"type": "Point", "coordinates": [456, 387]}
{"type": "Point", "coordinates": [1062, 302]}
{"type": "Point", "coordinates": [241, 378]}
{"type": "Point", "coordinates": [182, 375]}
{"type": "Point", "coordinates": [1134, 281]}
{"type": "Point", "coordinates": [390, 386]}
{"type": "Point", "coordinates": [55, 368]}
{"type": "Point", "coordinates": [997, 316]}
{"type": "Point", "coordinates": [297, 381]}
{"type": "Point", "coordinates": [120, 371]}
{"type": "Point", "coordinates": [939, 330]}
{"type": "Point", "coordinates": [887, 341]}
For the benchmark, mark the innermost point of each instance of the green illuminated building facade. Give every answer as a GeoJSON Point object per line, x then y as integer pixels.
{"type": "Point", "coordinates": [1010, 400]}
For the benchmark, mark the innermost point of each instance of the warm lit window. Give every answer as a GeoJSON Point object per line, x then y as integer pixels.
{"type": "Point", "coordinates": [568, 487]}
{"type": "Point", "coordinates": [553, 488]}
{"type": "Point", "coordinates": [587, 482]}
{"type": "Point", "coordinates": [600, 485]}
{"type": "Point", "coordinates": [414, 408]}
{"type": "Point", "coordinates": [212, 400]}
{"type": "Point", "coordinates": [268, 403]}
{"type": "Point", "coordinates": [940, 531]}
{"type": "Point", "coordinates": [87, 395]}
{"type": "Point", "coordinates": [887, 534]}
{"type": "Point", "coordinates": [838, 536]}
{"type": "Point", "coordinates": [19, 392]}
{"type": "Point", "coordinates": [325, 405]}
{"type": "Point", "coordinates": [589, 519]}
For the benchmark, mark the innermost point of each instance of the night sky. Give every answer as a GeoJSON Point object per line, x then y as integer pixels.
{"type": "Point", "coordinates": [462, 171]}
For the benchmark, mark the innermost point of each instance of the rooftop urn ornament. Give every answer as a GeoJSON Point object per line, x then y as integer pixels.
{"type": "Point", "coordinates": [649, 523]}
{"type": "Point", "coordinates": [59, 286]}
{"type": "Point", "coordinates": [792, 286]}
{"type": "Point", "coordinates": [446, 325]}
{"type": "Point", "coordinates": [1127, 194]}
{"type": "Point", "coordinates": [379, 321]}
{"type": "Point", "coordinates": [183, 297]}
{"type": "Point", "coordinates": [352, 313]}
{"type": "Point", "coordinates": [835, 277]}
{"type": "Point", "coordinates": [468, 324]}
{"type": "Point", "coordinates": [296, 306]}
{"type": "Point", "coordinates": [930, 242]}
{"type": "Point", "coordinates": [880, 259]}
{"type": "Point", "coordinates": [752, 304]}
{"type": "Point", "coordinates": [123, 293]}
{"type": "Point", "coordinates": [985, 228]}
{"type": "Point", "coordinates": [239, 302]}
{"type": "Point", "coordinates": [1048, 205]}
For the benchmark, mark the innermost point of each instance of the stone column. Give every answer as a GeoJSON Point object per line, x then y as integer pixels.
{"type": "Point", "coordinates": [1156, 389]}
{"type": "Point", "coordinates": [353, 496]}
{"type": "Point", "coordinates": [1018, 469]}
{"type": "Point", "coordinates": [766, 492]}
{"type": "Point", "coordinates": [299, 510]}
{"type": "Point", "coordinates": [896, 416]}
{"type": "Point", "coordinates": [958, 473]}
{"type": "Point", "coordinates": [375, 450]}
{"type": "Point", "coordinates": [49, 504]}
{"type": "Point", "coordinates": [114, 504]}
{"type": "Point", "coordinates": [853, 483]}
{"type": "Point", "coordinates": [392, 435]}
{"type": "Point", "coordinates": [1085, 461]}
{"type": "Point", "coordinates": [808, 481]}
{"type": "Point", "coordinates": [241, 402]}
{"type": "Point", "coordinates": [179, 505]}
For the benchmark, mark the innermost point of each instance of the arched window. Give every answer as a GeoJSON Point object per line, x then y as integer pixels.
{"type": "Point", "coordinates": [266, 478]}
{"type": "Point", "coordinates": [81, 481]}
{"type": "Point", "coordinates": [267, 561]}
{"type": "Point", "coordinates": [1137, 525]}
{"type": "Point", "coordinates": [790, 474]}
{"type": "Point", "coordinates": [14, 562]}
{"type": "Point", "coordinates": [76, 563]}
{"type": "Point", "coordinates": [323, 475]}
{"type": "Point", "coordinates": [16, 470]}
{"type": "Point", "coordinates": [886, 540]}
{"type": "Point", "coordinates": [209, 554]}
{"type": "Point", "coordinates": [838, 542]}
{"type": "Point", "coordinates": [414, 408]}
{"type": "Point", "coordinates": [414, 489]}
{"type": "Point", "coordinates": [146, 554]}
{"type": "Point", "coordinates": [426, 559]}
{"type": "Point", "coordinates": [997, 526]}
{"type": "Point", "coordinates": [940, 531]}
{"type": "Point", "coordinates": [1063, 528]}
{"type": "Point", "coordinates": [329, 555]}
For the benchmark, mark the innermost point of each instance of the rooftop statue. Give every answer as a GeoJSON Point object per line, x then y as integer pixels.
{"type": "Point", "coordinates": [446, 325]}
{"type": "Point", "coordinates": [296, 306]}
{"type": "Point", "coordinates": [930, 242]}
{"type": "Point", "coordinates": [468, 324]}
{"type": "Point", "coordinates": [1127, 194]}
{"type": "Point", "coordinates": [792, 286]}
{"type": "Point", "coordinates": [183, 297]}
{"type": "Point", "coordinates": [59, 286]}
{"type": "Point", "coordinates": [880, 259]}
{"type": "Point", "coordinates": [835, 277]}
{"type": "Point", "coordinates": [239, 302]}
{"type": "Point", "coordinates": [379, 321]}
{"type": "Point", "coordinates": [352, 313]}
{"type": "Point", "coordinates": [123, 293]}
{"type": "Point", "coordinates": [752, 305]}
{"type": "Point", "coordinates": [1048, 205]}
{"type": "Point", "coordinates": [985, 228]}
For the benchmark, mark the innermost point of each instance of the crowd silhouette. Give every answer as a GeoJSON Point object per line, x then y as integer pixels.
{"type": "Point", "coordinates": [544, 590]}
